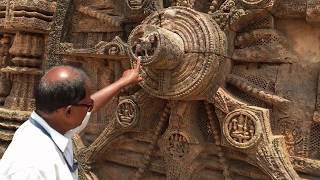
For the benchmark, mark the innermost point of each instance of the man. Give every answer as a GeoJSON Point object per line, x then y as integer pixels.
{"type": "Point", "coordinates": [41, 147]}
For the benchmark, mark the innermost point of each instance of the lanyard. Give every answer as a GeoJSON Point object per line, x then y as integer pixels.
{"type": "Point", "coordinates": [36, 124]}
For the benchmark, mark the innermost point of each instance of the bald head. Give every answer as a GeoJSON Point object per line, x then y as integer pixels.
{"type": "Point", "coordinates": [62, 73]}
{"type": "Point", "coordinates": [60, 86]}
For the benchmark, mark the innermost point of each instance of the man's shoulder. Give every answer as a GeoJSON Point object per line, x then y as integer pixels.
{"type": "Point", "coordinates": [29, 141]}
{"type": "Point", "coordinates": [27, 133]}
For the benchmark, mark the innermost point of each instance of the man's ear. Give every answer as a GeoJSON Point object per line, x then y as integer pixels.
{"type": "Point", "coordinates": [68, 110]}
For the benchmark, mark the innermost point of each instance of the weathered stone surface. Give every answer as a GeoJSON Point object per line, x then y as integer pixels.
{"type": "Point", "coordinates": [230, 91]}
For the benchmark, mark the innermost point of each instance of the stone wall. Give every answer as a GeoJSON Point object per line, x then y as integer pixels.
{"type": "Point", "coordinates": [231, 88]}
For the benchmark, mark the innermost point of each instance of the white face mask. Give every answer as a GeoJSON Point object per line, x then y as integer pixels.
{"type": "Point", "coordinates": [79, 128]}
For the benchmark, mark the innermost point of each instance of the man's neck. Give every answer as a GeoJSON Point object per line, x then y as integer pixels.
{"type": "Point", "coordinates": [49, 118]}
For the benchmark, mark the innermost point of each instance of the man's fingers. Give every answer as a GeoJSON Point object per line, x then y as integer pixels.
{"type": "Point", "coordinates": [138, 64]}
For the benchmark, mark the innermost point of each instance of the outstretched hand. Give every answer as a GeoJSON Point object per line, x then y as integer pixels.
{"type": "Point", "coordinates": [131, 76]}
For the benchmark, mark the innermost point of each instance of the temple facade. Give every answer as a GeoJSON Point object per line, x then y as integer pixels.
{"type": "Point", "coordinates": [230, 90]}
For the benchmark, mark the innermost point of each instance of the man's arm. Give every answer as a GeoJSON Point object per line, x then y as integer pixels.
{"type": "Point", "coordinates": [103, 96]}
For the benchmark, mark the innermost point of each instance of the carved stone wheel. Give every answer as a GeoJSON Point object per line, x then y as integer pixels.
{"type": "Point", "coordinates": [242, 128]}
{"type": "Point", "coordinates": [182, 53]}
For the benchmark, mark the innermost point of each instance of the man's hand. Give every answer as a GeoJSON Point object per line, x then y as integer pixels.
{"type": "Point", "coordinates": [103, 96]}
{"type": "Point", "coordinates": [131, 76]}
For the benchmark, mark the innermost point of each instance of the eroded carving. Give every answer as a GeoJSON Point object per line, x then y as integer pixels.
{"type": "Point", "coordinates": [127, 113]}
{"type": "Point", "coordinates": [242, 128]}
{"type": "Point", "coordinates": [238, 77]}
{"type": "Point", "coordinates": [168, 53]}
{"type": "Point", "coordinates": [177, 144]}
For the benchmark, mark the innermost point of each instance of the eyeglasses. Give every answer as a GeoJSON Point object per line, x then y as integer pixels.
{"type": "Point", "coordinates": [89, 105]}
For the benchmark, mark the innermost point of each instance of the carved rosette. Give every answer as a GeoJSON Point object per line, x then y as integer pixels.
{"type": "Point", "coordinates": [127, 113]}
{"type": "Point", "coordinates": [242, 128]}
{"type": "Point", "coordinates": [183, 58]}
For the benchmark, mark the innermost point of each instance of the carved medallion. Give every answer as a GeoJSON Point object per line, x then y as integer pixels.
{"type": "Point", "coordinates": [242, 128]}
{"type": "Point", "coordinates": [252, 1]}
{"type": "Point", "coordinates": [177, 144]}
{"type": "Point", "coordinates": [255, 3]}
{"type": "Point", "coordinates": [127, 113]}
{"type": "Point", "coordinates": [136, 4]}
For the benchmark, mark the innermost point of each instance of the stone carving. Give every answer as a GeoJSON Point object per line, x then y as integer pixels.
{"type": "Point", "coordinates": [127, 112]}
{"type": "Point", "coordinates": [177, 144]}
{"type": "Point", "coordinates": [292, 133]}
{"type": "Point", "coordinates": [186, 3]}
{"type": "Point", "coordinates": [316, 114]}
{"type": "Point", "coordinates": [136, 4]}
{"type": "Point", "coordinates": [32, 15]}
{"type": "Point", "coordinates": [242, 128]}
{"type": "Point", "coordinates": [214, 128]}
{"type": "Point", "coordinates": [167, 51]}
{"type": "Point", "coordinates": [275, 162]}
{"type": "Point", "coordinates": [5, 84]}
{"type": "Point", "coordinates": [313, 11]}
{"type": "Point", "coordinates": [243, 85]}
{"type": "Point", "coordinates": [89, 11]}
{"type": "Point", "coordinates": [23, 48]}
{"type": "Point", "coordinates": [27, 49]}
{"type": "Point", "coordinates": [260, 49]}
{"type": "Point", "coordinates": [257, 3]}
{"type": "Point", "coordinates": [115, 48]}
{"type": "Point", "coordinates": [230, 89]}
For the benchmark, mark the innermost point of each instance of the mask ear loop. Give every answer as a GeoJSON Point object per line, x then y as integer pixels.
{"type": "Point", "coordinates": [90, 108]}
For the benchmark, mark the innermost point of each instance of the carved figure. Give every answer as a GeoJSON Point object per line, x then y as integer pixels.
{"type": "Point", "coordinates": [230, 90]}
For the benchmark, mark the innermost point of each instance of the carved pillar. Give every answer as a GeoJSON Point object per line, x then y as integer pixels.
{"type": "Point", "coordinates": [182, 142]}
{"type": "Point", "coordinates": [26, 50]}
{"type": "Point", "coordinates": [29, 21]}
{"type": "Point", "coordinates": [5, 84]}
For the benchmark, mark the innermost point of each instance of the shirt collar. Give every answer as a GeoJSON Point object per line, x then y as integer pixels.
{"type": "Point", "coordinates": [58, 138]}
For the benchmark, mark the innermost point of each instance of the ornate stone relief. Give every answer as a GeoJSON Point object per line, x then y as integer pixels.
{"type": "Point", "coordinates": [127, 113]}
{"type": "Point", "coordinates": [242, 128]}
{"type": "Point", "coordinates": [25, 25]}
{"type": "Point", "coordinates": [248, 128]}
{"type": "Point", "coordinates": [5, 84]}
{"type": "Point", "coordinates": [168, 49]}
{"type": "Point", "coordinates": [229, 90]}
